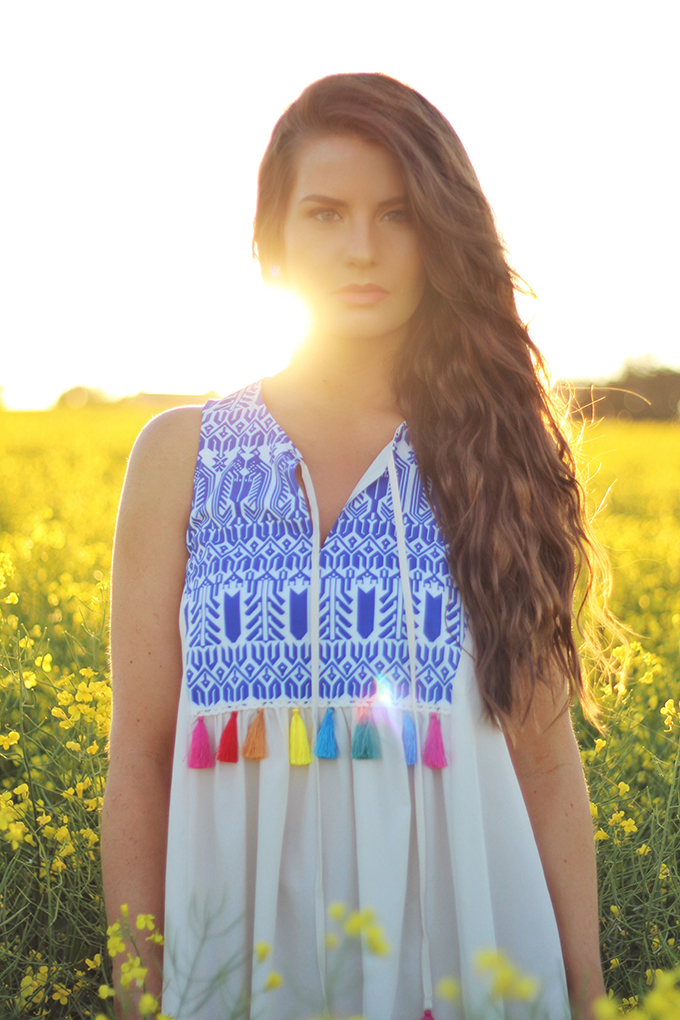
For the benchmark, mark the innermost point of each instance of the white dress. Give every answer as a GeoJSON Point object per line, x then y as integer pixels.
{"type": "Point", "coordinates": [372, 626]}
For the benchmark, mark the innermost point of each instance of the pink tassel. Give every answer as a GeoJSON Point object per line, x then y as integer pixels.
{"type": "Point", "coordinates": [200, 755]}
{"type": "Point", "coordinates": [433, 753]}
{"type": "Point", "coordinates": [427, 1015]}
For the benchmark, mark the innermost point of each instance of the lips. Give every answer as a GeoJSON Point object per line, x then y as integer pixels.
{"type": "Point", "coordinates": [365, 288]}
{"type": "Point", "coordinates": [369, 294]}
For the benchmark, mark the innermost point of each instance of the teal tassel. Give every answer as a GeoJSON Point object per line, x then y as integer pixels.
{"type": "Point", "coordinates": [326, 744]}
{"type": "Point", "coordinates": [408, 736]}
{"type": "Point", "coordinates": [365, 742]}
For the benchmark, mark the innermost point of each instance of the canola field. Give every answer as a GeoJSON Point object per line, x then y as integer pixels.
{"type": "Point", "coordinates": [60, 478]}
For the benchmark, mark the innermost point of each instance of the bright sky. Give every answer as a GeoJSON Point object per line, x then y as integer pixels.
{"type": "Point", "coordinates": [131, 134]}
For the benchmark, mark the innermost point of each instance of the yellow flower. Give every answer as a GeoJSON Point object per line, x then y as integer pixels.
{"type": "Point", "coordinates": [145, 921]}
{"type": "Point", "coordinates": [664, 873]}
{"type": "Point", "coordinates": [593, 810]}
{"type": "Point", "coordinates": [376, 941]}
{"type": "Point", "coordinates": [605, 1008]}
{"type": "Point", "coordinates": [124, 909]}
{"type": "Point", "coordinates": [357, 921]}
{"type": "Point", "coordinates": [132, 970]}
{"type": "Point", "coordinates": [95, 963]}
{"type": "Point", "coordinates": [643, 850]}
{"type": "Point", "coordinates": [614, 963]}
{"type": "Point", "coordinates": [93, 748]}
{"type": "Point", "coordinates": [273, 981]}
{"type": "Point", "coordinates": [15, 834]}
{"type": "Point", "coordinates": [115, 943]}
{"type": "Point", "coordinates": [9, 739]}
{"type": "Point", "coordinates": [337, 911]}
{"type": "Point", "coordinates": [506, 981]}
{"type": "Point", "coordinates": [489, 959]}
{"type": "Point", "coordinates": [156, 937]}
{"type": "Point", "coordinates": [615, 910]}
{"type": "Point", "coordinates": [106, 992]}
{"type": "Point", "coordinates": [449, 989]}
{"type": "Point", "coordinates": [262, 951]}
{"type": "Point", "coordinates": [599, 744]}
{"type": "Point", "coordinates": [623, 788]}
{"type": "Point", "coordinates": [601, 834]}
{"type": "Point", "coordinates": [148, 1004]}
{"type": "Point", "coordinates": [525, 988]}
{"type": "Point", "coordinates": [73, 745]}
{"type": "Point", "coordinates": [61, 994]}
{"type": "Point", "coordinates": [628, 825]}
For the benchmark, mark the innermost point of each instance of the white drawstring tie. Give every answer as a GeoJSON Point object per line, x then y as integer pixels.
{"type": "Point", "coordinates": [419, 785]}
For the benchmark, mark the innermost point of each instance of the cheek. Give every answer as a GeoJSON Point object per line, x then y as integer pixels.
{"type": "Point", "coordinates": [305, 258]}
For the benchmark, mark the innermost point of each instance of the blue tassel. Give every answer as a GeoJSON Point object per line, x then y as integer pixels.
{"type": "Point", "coordinates": [326, 744]}
{"type": "Point", "coordinates": [408, 736]}
{"type": "Point", "coordinates": [365, 742]}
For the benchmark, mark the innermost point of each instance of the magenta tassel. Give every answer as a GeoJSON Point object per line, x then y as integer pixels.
{"type": "Point", "coordinates": [200, 755]}
{"type": "Point", "coordinates": [427, 1015]}
{"type": "Point", "coordinates": [434, 755]}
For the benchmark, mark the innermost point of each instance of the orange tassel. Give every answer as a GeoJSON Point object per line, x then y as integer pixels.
{"type": "Point", "coordinates": [255, 744]}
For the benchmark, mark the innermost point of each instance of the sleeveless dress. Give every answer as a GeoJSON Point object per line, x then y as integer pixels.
{"type": "Point", "coordinates": [337, 685]}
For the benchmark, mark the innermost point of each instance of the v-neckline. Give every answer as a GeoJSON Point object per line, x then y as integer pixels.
{"type": "Point", "coordinates": [375, 470]}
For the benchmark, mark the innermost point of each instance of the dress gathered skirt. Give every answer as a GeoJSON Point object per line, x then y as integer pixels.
{"type": "Point", "coordinates": [439, 852]}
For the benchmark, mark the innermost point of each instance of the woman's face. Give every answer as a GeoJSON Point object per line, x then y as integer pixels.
{"type": "Point", "coordinates": [347, 224]}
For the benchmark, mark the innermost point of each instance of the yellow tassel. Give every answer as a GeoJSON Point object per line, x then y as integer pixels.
{"type": "Point", "coordinates": [299, 752]}
{"type": "Point", "coordinates": [255, 744]}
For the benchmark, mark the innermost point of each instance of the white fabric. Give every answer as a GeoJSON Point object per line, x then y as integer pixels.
{"type": "Point", "coordinates": [243, 855]}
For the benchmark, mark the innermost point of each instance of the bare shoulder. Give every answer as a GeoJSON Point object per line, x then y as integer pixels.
{"type": "Point", "coordinates": [163, 458]}
{"type": "Point", "coordinates": [171, 437]}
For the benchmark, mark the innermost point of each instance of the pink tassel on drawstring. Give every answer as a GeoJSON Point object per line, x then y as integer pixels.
{"type": "Point", "coordinates": [427, 1015]}
{"type": "Point", "coordinates": [434, 755]}
{"type": "Point", "coordinates": [200, 755]}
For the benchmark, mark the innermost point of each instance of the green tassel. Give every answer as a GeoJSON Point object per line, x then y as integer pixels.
{"type": "Point", "coordinates": [365, 740]}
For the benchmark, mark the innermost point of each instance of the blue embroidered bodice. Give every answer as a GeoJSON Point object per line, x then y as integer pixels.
{"type": "Point", "coordinates": [246, 600]}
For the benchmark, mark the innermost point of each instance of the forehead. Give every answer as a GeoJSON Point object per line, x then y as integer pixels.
{"type": "Point", "coordinates": [346, 162]}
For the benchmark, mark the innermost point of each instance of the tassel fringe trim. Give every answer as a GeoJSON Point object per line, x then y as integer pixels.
{"type": "Point", "coordinates": [255, 745]}
{"type": "Point", "coordinates": [365, 741]}
{"type": "Point", "coordinates": [299, 752]}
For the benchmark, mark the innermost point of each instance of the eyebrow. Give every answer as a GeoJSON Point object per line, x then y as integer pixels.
{"type": "Point", "coordinates": [338, 201]}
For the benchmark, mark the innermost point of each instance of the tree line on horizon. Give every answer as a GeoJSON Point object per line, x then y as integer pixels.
{"type": "Point", "coordinates": [641, 391]}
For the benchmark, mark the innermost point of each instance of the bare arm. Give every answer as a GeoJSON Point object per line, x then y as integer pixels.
{"type": "Point", "coordinates": [149, 563]}
{"type": "Point", "coordinates": [548, 767]}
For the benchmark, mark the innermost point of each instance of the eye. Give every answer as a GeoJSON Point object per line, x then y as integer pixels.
{"type": "Point", "coordinates": [401, 215]}
{"type": "Point", "coordinates": [324, 215]}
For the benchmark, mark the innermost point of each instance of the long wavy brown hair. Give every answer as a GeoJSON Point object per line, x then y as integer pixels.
{"type": "Point", "coordinates": [490, 439]}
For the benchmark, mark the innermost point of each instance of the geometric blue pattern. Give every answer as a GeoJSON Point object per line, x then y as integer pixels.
{"type": "Point", "coordinates": [246, 595]}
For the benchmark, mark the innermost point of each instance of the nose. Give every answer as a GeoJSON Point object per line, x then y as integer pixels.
{"type": "Point", "coordinates": [361, 249]}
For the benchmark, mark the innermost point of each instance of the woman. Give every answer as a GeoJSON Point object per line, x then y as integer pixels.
{"type": "Point", "coordinates": [372, 556]}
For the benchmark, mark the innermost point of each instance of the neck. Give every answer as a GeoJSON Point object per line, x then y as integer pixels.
{"type": "Point", "coordinates": [349, 373]}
